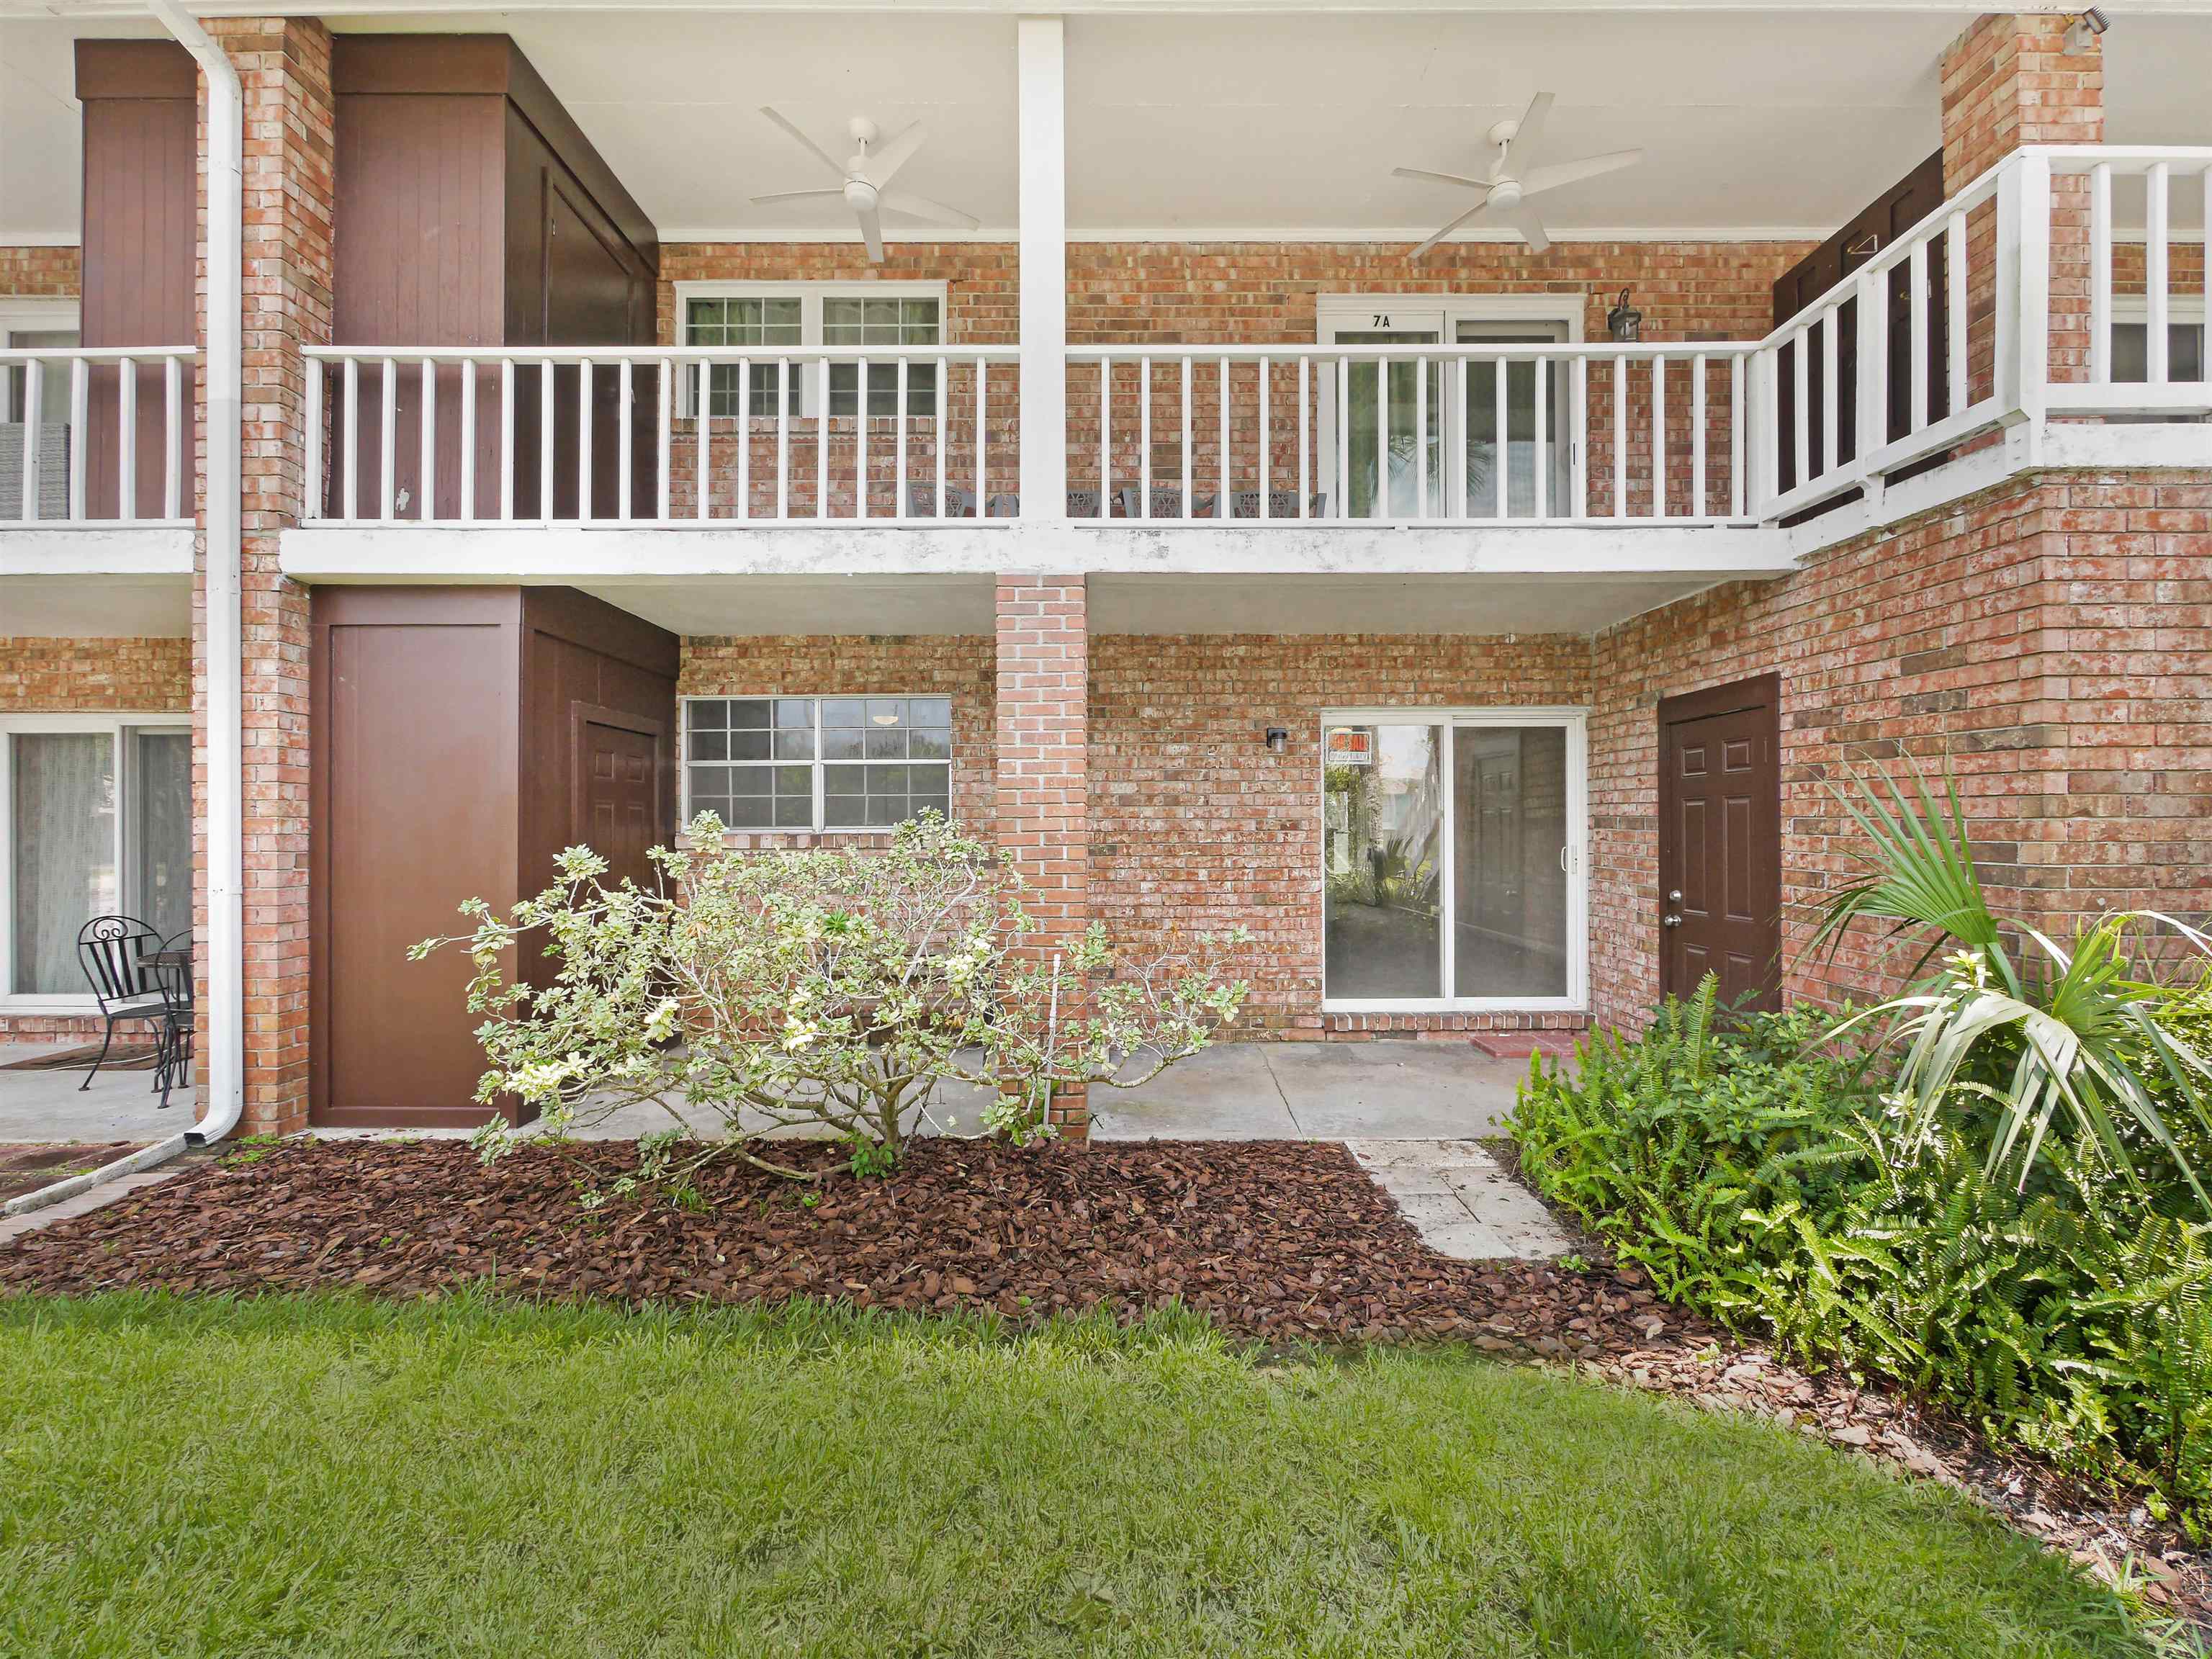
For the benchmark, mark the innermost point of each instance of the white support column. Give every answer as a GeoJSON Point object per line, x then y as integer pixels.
{"type": "Point", "coordinates": [1040, 70]}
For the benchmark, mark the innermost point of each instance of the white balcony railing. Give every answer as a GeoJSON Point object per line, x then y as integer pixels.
{"type": "Point", "coordinates": [2131, 281]}
{"type": "Point", "coordinates": [616, 434]}
{"type": "Point", "coordinates": [1975, 319]}
{"type": "Point", "coordinates": [1538, 434]}
{"type": "Point", "coordinates": [2046, 285]}
{"type": "Point", "coordinates": [96, 438]}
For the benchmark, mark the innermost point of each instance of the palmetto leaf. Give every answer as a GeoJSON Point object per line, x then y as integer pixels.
{"type": "Point", "coordinates": [2093, 1058]}
{"type": "Point", "coordinates": [1920, 869]}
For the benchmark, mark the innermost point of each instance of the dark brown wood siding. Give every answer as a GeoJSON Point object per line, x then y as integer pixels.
{"type": "Point", "coordinates": [448, 727]}
{"type": "Point", "coordinates": [413, 805]}
{"type": "Point", "coordinates": [1871, 231]}
{"type": "Point", "coordinates": [140, 240]}
{"type": "Point", "coordinates": [457, 173]}
{"type": "Point", "coordinates": [583, 659]}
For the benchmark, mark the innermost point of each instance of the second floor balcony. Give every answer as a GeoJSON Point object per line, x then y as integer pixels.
{"type": "Point", "coordinates": [2034, 317]}
{"type": "Point", "coordinates": [1258, 375]}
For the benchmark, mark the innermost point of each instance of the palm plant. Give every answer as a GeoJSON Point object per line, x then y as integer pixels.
{"type": "Point", "coordinates": [2047, 1035]}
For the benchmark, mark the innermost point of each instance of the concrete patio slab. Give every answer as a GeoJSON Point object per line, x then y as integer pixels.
{"type": "Point", "coordinates": [1315, 1091]}
{"type": "Point", "coordinates": [119, 1105]}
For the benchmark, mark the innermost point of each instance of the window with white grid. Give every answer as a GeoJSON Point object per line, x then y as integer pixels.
{"type": "Point", "coordinates": [771, 318]}
{"type": "Point", "coordinates": [817, 763]}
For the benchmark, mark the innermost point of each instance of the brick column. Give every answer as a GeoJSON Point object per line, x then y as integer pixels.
{"type": "Point", "coordinates": [285, 65]}
{"type": "Point", "coordinates": [1044, 814]}
{"type": "Point", "coordinates": [2011, 80]}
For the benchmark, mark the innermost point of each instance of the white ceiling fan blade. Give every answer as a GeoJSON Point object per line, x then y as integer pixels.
{"type": "Point", "coordinates": [798, 196]}
{"type": "Point", "coordinates": [894, 153]}
{"type": "Point", "coordinates": [1525, 220]}
{"type": "Point", "coordinates": [1439, 178]}
{"type": "Point", "coordinates": [1522, 150]}
{"type": "Point", "coordinates": [827, 159]}
{"type": "Point", "coordinates": [1449, 229]}
{"type": "Point", "coordinates": [921, 207]}
{"type": "Point", "coordinates": [871, 233]}
{"type": "Point", "coordinates": [1566, 173]}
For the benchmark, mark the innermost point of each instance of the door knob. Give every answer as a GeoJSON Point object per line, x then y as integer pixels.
{"type": "Point", "coordinates": [1674, 897]}
{"type": "Point", "coordinates": [1670, 921]}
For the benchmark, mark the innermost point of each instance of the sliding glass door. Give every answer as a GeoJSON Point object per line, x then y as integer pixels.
{"type": "Point", "coordinates": [1451, 859]}
{"type": "Point", "coordinates": [1404, 431]}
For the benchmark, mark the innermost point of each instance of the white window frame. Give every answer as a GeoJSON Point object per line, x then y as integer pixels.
{"type": "Point", "coordinates": [119, 728]}
{"type": "Point", "coordinates": [44, 314]}
{"type": "Point", "coordinates": [2182, 310]}
{"type": "Point", "coordinates": [1335, 314]}
{"type": "Point", "coordinates": [1575, 723]}
{"type": "Point", "coordinates": [809, 295]}
{"type": "Point", "coordinates": [820, 826]}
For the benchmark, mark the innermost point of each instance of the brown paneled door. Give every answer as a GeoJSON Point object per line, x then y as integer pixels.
{"type": "Point", "coordinates": [617, 808]}
{"type": "Point", "coordinates": [1720, 842]}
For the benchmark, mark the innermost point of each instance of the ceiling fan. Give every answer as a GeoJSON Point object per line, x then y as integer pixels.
{"type": "Point", "coordinates": [1511, 181]}
{"type": "Point", "coordinates": [866, 178]}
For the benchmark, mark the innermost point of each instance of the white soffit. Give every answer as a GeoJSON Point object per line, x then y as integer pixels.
{"type": "Point", "coordinates": [93, 607]}
{"type": "Point", "coordinates": [40, 132]}
{"type": "Point", "coordinates": [1189, 122]}
{"type": "Point", "coordinates": [2157, 74]}
{"type": "Point", "coordinates": [757, 606]}
{"type": "Point", "coordinates": [1757, 123]}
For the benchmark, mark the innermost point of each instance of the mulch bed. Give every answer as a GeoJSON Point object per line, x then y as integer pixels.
{"type": "Point", "coordinates": [26, 1166]}
{"type": "Point", "coordinates": [1283, 1242]}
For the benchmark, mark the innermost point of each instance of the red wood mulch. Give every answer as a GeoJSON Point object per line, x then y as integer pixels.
{"type": "Point", "coordinates": [1276, 1240]}
{"type": "Point", "coordinates": [26, 1166]}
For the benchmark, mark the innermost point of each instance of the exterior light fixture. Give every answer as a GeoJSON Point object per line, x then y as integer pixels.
{"type": "Point", "coordinates": [1279, 740]}
{"type": "Point", "coordinates": [2085, 30]}
{"type": "Point", "coordinates": [1623, 322]}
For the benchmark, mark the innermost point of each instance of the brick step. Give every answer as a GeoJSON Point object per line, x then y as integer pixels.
{"type": "Point", "coordinates": [1519, 1045]}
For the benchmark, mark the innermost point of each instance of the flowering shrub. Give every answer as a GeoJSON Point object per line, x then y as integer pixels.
{"type": "Point", "coordinates": [829, 988]}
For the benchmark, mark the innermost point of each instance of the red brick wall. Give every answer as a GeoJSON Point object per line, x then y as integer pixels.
{"type": "Point", "coordinates": [130, 676]}
{"type": "Point", "coordinates": [47, 271]}
{"type": "Point", "coordinates": [285, 65]}
{"type": "Point", "coordinates": [1042, 804]}
{"type": "Point", "coordinates": [2012, 79]}
{"type": "Point", "coordinates": [1195, 826]}
{"type": "Point", "coordinates": [2045, 639]}
{"type": "Point", "coordinates": [42, 675]}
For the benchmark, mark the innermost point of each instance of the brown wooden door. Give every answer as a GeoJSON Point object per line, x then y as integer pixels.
{"type": "Point", "coordinates": [618, 795]}
{"type": "Point", "coordinates": [1720, 842]}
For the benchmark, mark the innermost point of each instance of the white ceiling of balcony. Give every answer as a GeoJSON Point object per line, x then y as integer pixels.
{"type": "Point", "coordinates": [1755, 122]}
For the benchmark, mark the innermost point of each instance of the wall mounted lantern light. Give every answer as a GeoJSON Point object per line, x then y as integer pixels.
{"type": "Point", "coordinates": [1624, 321]}
{"type": "Point", "coordinates": [1279, 740]}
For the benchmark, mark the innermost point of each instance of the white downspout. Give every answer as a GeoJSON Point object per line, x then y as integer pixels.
{"type": "Point", "coordinates": [224, 368]}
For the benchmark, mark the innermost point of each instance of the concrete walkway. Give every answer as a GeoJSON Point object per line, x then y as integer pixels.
{"type": "Point", "coordinates": [1460, 1201]}
{"type": "Point", "coordinates": [1317, 1091]}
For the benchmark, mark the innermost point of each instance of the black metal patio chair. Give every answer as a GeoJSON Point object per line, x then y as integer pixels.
{"type": "Point", "coordinates": [117, 953]}
{"type": "Point", "coordinates": [173, 972]}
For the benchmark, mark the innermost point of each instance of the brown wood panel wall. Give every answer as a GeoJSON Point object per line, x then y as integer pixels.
{"type": "Point", "coordinates": [141, 229]}
{"type": "Point", "coordinates": [414, 803]}
{"type": "Point", "coordinates": [462, 186]}
{"type": "Point", "coordinates": [582, 657]}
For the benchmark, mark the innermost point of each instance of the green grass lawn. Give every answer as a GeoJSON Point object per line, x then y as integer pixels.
{"type": "Point", "coordinates": [336, 1478]}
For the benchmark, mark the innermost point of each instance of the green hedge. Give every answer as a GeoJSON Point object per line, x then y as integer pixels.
{"type": "Point", "coordinates": [1752, 1171]}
